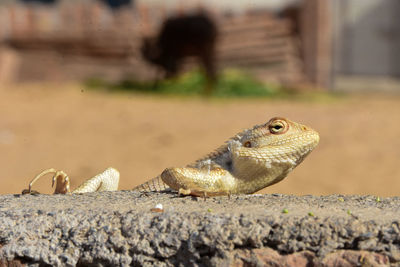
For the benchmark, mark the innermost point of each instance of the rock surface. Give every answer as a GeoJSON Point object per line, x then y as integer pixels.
{"type": "Point", "coordinates": [123, 228]}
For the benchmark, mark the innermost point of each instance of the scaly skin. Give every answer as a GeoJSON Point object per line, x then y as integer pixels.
{"type": "Point", "coordinates": [250, 161]}
{"type": "Point", "coordinates": [105, 181]}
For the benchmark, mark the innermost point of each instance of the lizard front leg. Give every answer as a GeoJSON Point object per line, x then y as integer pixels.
{"type": "Point", "coordinates": [199, 182]}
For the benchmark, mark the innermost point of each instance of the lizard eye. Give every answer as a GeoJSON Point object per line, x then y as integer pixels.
{"type": "Point", "coordinates": [277, 127]}
{"type": "Point", "coordinates": [247, 144]}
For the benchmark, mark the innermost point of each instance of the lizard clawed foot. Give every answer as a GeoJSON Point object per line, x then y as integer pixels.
{"type": "Point", "coordinates": [205, 195]}
{"type": "Point", "coordinates": [60, 178]}
{"type": "Point", "coordinates": [187, 192]}
{"type": "Point", "coordinates": [31, 192]}
{"type": "Point", "coordinates": [144, 194]}
{"type": "Point", "coordinates": [184, 192]}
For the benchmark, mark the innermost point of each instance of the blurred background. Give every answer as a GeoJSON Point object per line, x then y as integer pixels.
{"type": "Point", "coordinates": [145, 85]}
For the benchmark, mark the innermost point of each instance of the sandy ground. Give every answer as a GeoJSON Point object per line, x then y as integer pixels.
{"type": "Point", "coordinates": [83, 132]}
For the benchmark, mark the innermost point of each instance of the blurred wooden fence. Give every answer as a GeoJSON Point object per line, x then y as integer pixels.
{"type": "Point", "coordinates": [85, 40]}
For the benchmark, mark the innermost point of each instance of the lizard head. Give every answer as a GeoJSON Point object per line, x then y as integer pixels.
{"type": "Point", "coordinates": [265, 154]}
{"type": "Point", "coordinates": [281, 132]}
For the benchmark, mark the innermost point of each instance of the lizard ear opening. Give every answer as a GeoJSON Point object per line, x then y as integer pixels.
{"type": "Point", "coordinates": [247, 144]}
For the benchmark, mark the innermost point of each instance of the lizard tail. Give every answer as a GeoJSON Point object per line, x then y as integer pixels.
{"type": "Point", "coordinates": [153, 185]}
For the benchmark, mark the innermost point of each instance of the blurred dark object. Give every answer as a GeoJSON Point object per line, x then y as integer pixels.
{"type": "Point", "coordinates": [182, 37]}
{"type": "Point", "coordinates": [115, 4]}
{"type": "Point", "coordinates": [80, 40]}
{"type": "Point", "coordinates": [293, 14]}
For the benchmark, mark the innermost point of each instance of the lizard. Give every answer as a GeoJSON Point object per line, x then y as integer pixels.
{"type": "Point", "coordinates": [253, 159]}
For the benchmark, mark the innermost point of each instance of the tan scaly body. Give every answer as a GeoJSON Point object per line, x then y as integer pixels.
{"type": "Point", "coordinates": [250, 161]}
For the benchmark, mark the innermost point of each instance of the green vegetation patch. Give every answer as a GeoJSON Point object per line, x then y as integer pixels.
{"type": "Point", "coordinates": [231, 83]}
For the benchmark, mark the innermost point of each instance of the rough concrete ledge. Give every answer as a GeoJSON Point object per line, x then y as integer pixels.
{"type": "Point", "coordinates": [120, 228]}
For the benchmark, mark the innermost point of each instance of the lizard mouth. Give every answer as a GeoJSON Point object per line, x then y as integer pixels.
{"type": "Point", "coordinates": [307, 139]}
{"type": "Point", "coordinates": [315, 137]}
{"type": "Point", "coordinates": [310, 141]}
